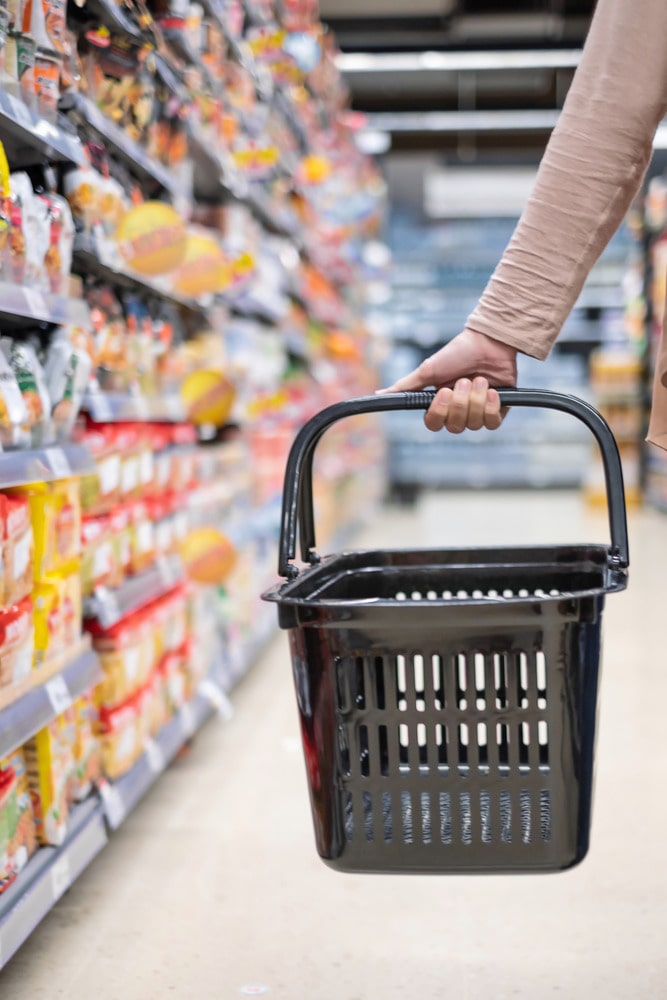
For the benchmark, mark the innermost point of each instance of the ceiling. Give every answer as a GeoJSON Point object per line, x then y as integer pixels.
{"type": "Point", "coordinates": [475, 60]}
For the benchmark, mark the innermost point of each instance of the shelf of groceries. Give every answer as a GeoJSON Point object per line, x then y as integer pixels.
{"type": "Point", "coordinates": [183, 216]}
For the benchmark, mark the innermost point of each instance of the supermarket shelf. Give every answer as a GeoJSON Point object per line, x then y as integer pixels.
{"type": "Point", "coordinates": [120, 797]}
{"type": "Point", "coordinates": [29, 138]}
{"type": "Point", "coordinates": [48, 875]}
{"type": "Point", "coordinates": [121, 144]}
{"type": "Point", "coordinates": [108, 605]}
{"type": "Point", "coordinates": [108, 407]}
{"type": "Point", "coordinates": [18, 468]}
{"type": "Point", "coordinates": [22, 718]}
{"type": "Point", "coordinates": [88, 261]}
{"type": "Point", "coordinates": [22, 307]}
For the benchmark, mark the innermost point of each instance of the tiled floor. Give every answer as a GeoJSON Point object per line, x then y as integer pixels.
{"type": "Point", "coordinates": [213, 885]}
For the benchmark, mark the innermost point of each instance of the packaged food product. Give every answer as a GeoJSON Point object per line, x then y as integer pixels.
{"type": "Point", "coordinates": [67, 502]}
{"type": "Point", "coordinates": [126, 655]}
{"type": "Point", "coordinates": [121, 746]}
{"type": "Point", "coordinates": [171, 668]}
{"type": "Point", "coordinates": [30, 232]}
{"type": "Point", "coordinates": [24, 842]}
{"type": "Point", "coordinates": [13, 410]}
{"type": "Point", "coordinates": [72, 602]}
{"type": "Point", "coordinates": [18, 549]}
{"type": "Point", "coordinates": [142, 538]}
{"type": "Point", "coordinates": [58, 255]}
{"type": "Point", "coordinates": [122, 537]}
{"type": "Point", "coordinates": [82, 191]}
{"type": "Point", "coordinates": [67, 371]}
{"type": "Point", "coordinates": [25, 59]}
{"type": "Point", "coordinates": [99, 566]}
{"type": "Point", "coordinates": [100, 490]}
{"type": "Point", "coordinates": [87, 749]}
{"type": "Point", "coordinates": [43, 515]}
{"type": "Point", "coordinates": [16, 642]}
{"type": "Point", "coordinates": [47, 602]}
{"type": "Point", "coordinates": [29, 374]}
{"type": "Point", "coordinates": [46, 76]}
{"type": "Point", "coordinates": [8, 825]}
{"type": "Point", "coordinates": [50, 764]}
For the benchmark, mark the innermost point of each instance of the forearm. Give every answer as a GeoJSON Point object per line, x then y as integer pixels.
{"type": "Point", "coordinates": [591, 171]}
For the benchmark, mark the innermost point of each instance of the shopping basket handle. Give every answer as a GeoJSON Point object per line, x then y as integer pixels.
{"type": "Point", "coordinates": [297, 510]}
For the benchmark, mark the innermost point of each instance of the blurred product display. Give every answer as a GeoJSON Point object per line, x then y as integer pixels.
{"type": "Point", "coordinates": [183, 215]}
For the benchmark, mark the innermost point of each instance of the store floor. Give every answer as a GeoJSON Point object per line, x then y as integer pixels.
{"type": "Point", "coordinates": [212, 886]}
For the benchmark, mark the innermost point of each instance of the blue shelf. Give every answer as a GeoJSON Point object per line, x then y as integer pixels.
{"type": "Point", "coordinates": [48, 875]}
{"type": "Point", "coordinates": [24, 717]}
{"type": "Point", "coordinates": [108, 605]}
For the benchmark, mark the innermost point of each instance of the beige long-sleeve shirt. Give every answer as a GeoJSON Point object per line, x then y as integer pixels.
{"type": "Point", "coordinates": [591, 171]}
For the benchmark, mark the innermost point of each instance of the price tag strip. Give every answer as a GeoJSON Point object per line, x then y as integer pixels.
{"type": "Point", "coordinates": [59, 463]}
{"type": "Point", "coordinates": [217, 698]}
{"type": "Point", "coordinates": [154, 756]}
{"type": "Point", "coordinates": [114, 807]}
{"type": "Point", "coordinates": [188, 721]}
{"type": "Point", "coordinates": [58, 694]}
{"type": "Point", "coordinates": [61, 877]}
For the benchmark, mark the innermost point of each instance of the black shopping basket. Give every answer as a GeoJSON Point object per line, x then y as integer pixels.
{"type": "Point", "coordinates": [448, 698]}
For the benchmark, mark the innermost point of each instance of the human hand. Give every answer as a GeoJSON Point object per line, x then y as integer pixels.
{"type": "Point", "coordinates": [462, 371]}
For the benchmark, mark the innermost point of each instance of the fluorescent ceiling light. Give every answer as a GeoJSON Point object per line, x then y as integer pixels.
{"type": "Point", "coordinates": [455, 62]}
{"type": "Point", "coordinates": [373, 142]}
{"type": "Point", "coordinates": [462, 121]}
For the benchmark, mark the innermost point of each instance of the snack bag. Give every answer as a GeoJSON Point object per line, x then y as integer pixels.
{"type": "Point", "coordinates": [29, 374]}
{"type": "Point", "coordinates": [16, 642]}
{"type": "Point", "coordinates": [67, 370]}
{"type": "Point", "coordinates": [72, 603]}
{"type": "Point", "coordinates": [13, 410]}
{"type": "Point", "coordinates": [50, 763]}
{"type": "Point", "coordinates": [67, 502]}
{"type": "Point", "coordinates": [8, 825]}
{"type": "Point", "coordinates": [87, 749]}
{"type": "Point", "coordinates": [44, 518]}
{"type": "Point", "coordinates": [99, 566]}
{"type": "Point", "coordinates": [24, 843]}
{"type": "Point", "coordinates": [48, 618]}
{"type": "Point", "coordinates": [18, 549]}
{"type": "Point", "coordinates": [101, 490]}
{"type": "Point", "coordinates": [58, 251]}
{"type": "Point", "coordinates": [119, 738]}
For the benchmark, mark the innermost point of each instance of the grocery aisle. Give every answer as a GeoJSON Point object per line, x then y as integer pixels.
{"type": "Point", "coordinates": [212, 885]}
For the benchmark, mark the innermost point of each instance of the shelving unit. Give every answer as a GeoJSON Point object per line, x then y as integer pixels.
{"type": "Point", "coordinates": [212, 177]}
{"type": "Point", "coordinates": [49, 691]}
{"type": "Point", "coordinates": [109, 605]}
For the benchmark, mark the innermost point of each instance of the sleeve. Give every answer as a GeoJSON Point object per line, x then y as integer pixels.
{"type": "Point", "coordinates": [590, 172]}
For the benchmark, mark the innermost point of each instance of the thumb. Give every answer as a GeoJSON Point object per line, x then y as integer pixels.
{"type": "Point", "coordinates": [441, 369]}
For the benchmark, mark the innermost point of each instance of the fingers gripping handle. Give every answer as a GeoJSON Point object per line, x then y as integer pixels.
{"type": "Point", "coordinates": [298, 497]}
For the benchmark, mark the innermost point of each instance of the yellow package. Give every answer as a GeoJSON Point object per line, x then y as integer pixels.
{"type": "Point", "coordinates": [67, 500]}
{"type": "Point", "coordinates": [24, 841]}
{"type": "Point", "coordinates": [43, 514]}
{"type": "Point", "coordinates": [87, 749]}
{"type": "Point", "coordinates": [50, 763]}
{"type": "Point", "coordinates": [72, 603]}
{"type": "Point", "coordinates": [48, 598]}
{"type": "Point", "coordinates": [120, 740]}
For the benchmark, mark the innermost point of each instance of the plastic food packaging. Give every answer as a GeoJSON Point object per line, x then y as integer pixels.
{"type": "Point", "coordinates": [48, 618]}
{"type": "Point", "coordinates": [50, 764]}
{"type": "Point", "coordinates": [99, 566]}
{"type": "Point", "coordinates": [23, 843]}
{"type": "Point", "coordinates": [100, 490]}
{"type": "Point", "coordinates": [87, 749]}
{"type": "Point", "coordinates": [67, 371]}
{"type": "Point", "coordinates": [18, 549]}
{"type": "Point", "coordinates": [8, 825]}
{"type": "Point", "coordinates": [126, 656]}
{"type": "Point", "coordinates": [117, 730]}
{"type": "Point", "coordinates": [16, 642]}
{"type": "Point", "coordinates": [31, 380]}
{"type": "Point", "coordinates": [13, 410]}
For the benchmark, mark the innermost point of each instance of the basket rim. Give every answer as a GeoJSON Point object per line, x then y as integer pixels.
{"type": "Point", "coordinates": [615, 578]}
